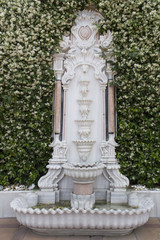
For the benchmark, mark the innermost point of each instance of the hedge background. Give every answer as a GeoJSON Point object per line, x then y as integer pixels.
{"type": "Point", "coordinates": [30, 31]}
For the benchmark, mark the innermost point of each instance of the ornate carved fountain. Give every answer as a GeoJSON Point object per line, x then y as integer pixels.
{"type": "Point", "coordinates": [83, 168]}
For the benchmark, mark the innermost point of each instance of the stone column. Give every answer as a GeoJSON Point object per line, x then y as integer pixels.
{"type": "Point", "coordinates": [111, 108]}
{"type": "Point", "coordinates": [57, 110]}
{"type": "Point", "coordinates": [118, 182]}
{"type": "Point", "coordinates": [58, 67]}
{"type": "Point", "coordinates": [65, 88]}
{"type": "Point", "coordinates": [49, 182]}
{"type": "Point", "coordinates": [103, 88]}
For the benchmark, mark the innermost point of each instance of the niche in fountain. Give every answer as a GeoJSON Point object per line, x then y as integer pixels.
{"type": "Point", "coordinates": [83, 169]}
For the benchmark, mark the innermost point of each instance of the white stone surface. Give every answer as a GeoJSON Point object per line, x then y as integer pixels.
{"type": "Point", "coordinates": [7, 197]}
{"type": "Point", "coordinates": [32, 199]}
{"type": "Point", "coordinates": [119, 197]}
{"type": "Point", "coordinates": [84, 77]}
{"type": "Point", "coordinates": [82, 201]}
{"type": "Point", "coordinates": [155, 196]}
{"type": "Point", "coordinates": [85, 173]}
{"type": "Point", "coordinates": [133, 199]}
{"type": "Point", "coordinates": [46, 197]}
{"type": "Point", "coordinates": [76, 219]}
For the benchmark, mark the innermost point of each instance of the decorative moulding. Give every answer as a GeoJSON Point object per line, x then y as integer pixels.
{"type": "Point", "coordinates": [84, 148]}
{"type": "Point", "coordinates": [84, 107]}
{"type": "Point", "coordinates": [84, 128]}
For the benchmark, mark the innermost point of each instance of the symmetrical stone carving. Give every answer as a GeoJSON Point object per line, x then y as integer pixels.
{"type": "Point", "coordinates": [83, 173]}
{"type": "Point", "coordinates": [84, 145]}
{"type": "Point", "coordinates": [84, 128]}
{"type": "Point", "coordinates": [84, 105]}
{"type": "Point", "coordinates": [84, 148]}
{"type": "Point", "coordinates": [84, 50]}
{"type": "Point", "coordinates": [85, 47]}
{"type": "Point", "coordinates": [91, 59]}
{"type": "Point", "coordinates": [84, 30]}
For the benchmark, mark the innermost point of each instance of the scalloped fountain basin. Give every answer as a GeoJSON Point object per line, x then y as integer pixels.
{"type": "Point", "coordinates": [83, 172]}
{"type": "Point", "coordinates": [103, 219]}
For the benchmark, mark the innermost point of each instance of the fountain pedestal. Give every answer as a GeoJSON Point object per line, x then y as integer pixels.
{"type": "Point", "coordinates": [83, 177]}
{"type": "Point", "coordinates": [82, 201]}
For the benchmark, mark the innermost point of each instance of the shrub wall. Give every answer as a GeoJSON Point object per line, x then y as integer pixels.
{"type": "Point", "coordinates": [30, 31]}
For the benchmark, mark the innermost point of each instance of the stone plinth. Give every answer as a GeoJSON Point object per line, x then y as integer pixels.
{"type": "Point", "coordinates": [119, 197]}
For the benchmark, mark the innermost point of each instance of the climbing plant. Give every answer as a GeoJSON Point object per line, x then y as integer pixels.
{"type": "Point", "coordinates": [30, 31]}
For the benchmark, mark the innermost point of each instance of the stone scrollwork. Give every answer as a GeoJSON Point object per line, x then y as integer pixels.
{"type": "Point", "coordinates": [91, 59]}
{"type": "Point", "coordinates": [117, 180]}
{"type": "Point", "coordinates": [51, 179]}
{"type": "Point", "coordinates": [85, 47]}
{"type": "Point", "coordinates": [85, 31]}
{"type": "Point", "coordinates": [111, 172]}
{"type": "Point", "coordinates": [65, 43]}
{"type": "Point", "coordinates": [105, 40]}
{"type": "Point", "coordinates": [55, 171]}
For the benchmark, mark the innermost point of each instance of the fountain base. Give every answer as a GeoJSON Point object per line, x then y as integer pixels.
{"type": "Point", "coordinates": [82, 232]}
{"type": "Point", "coordinates": [101, 220]}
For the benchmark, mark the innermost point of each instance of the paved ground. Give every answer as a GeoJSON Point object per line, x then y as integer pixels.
{"type": "Point", "coordinates": [11, 230]}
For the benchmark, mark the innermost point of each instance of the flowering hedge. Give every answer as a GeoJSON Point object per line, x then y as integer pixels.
{"type": "Point", "coordinates": [30, 31]}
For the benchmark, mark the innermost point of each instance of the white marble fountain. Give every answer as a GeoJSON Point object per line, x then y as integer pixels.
{"type": "Point", "coordinates": [83, 169]}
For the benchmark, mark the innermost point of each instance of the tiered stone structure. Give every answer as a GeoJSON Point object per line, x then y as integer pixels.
{"type": "Point", "coordinates": [83, 167]}
{"type": "Point", "coordinates": [83, 82]}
